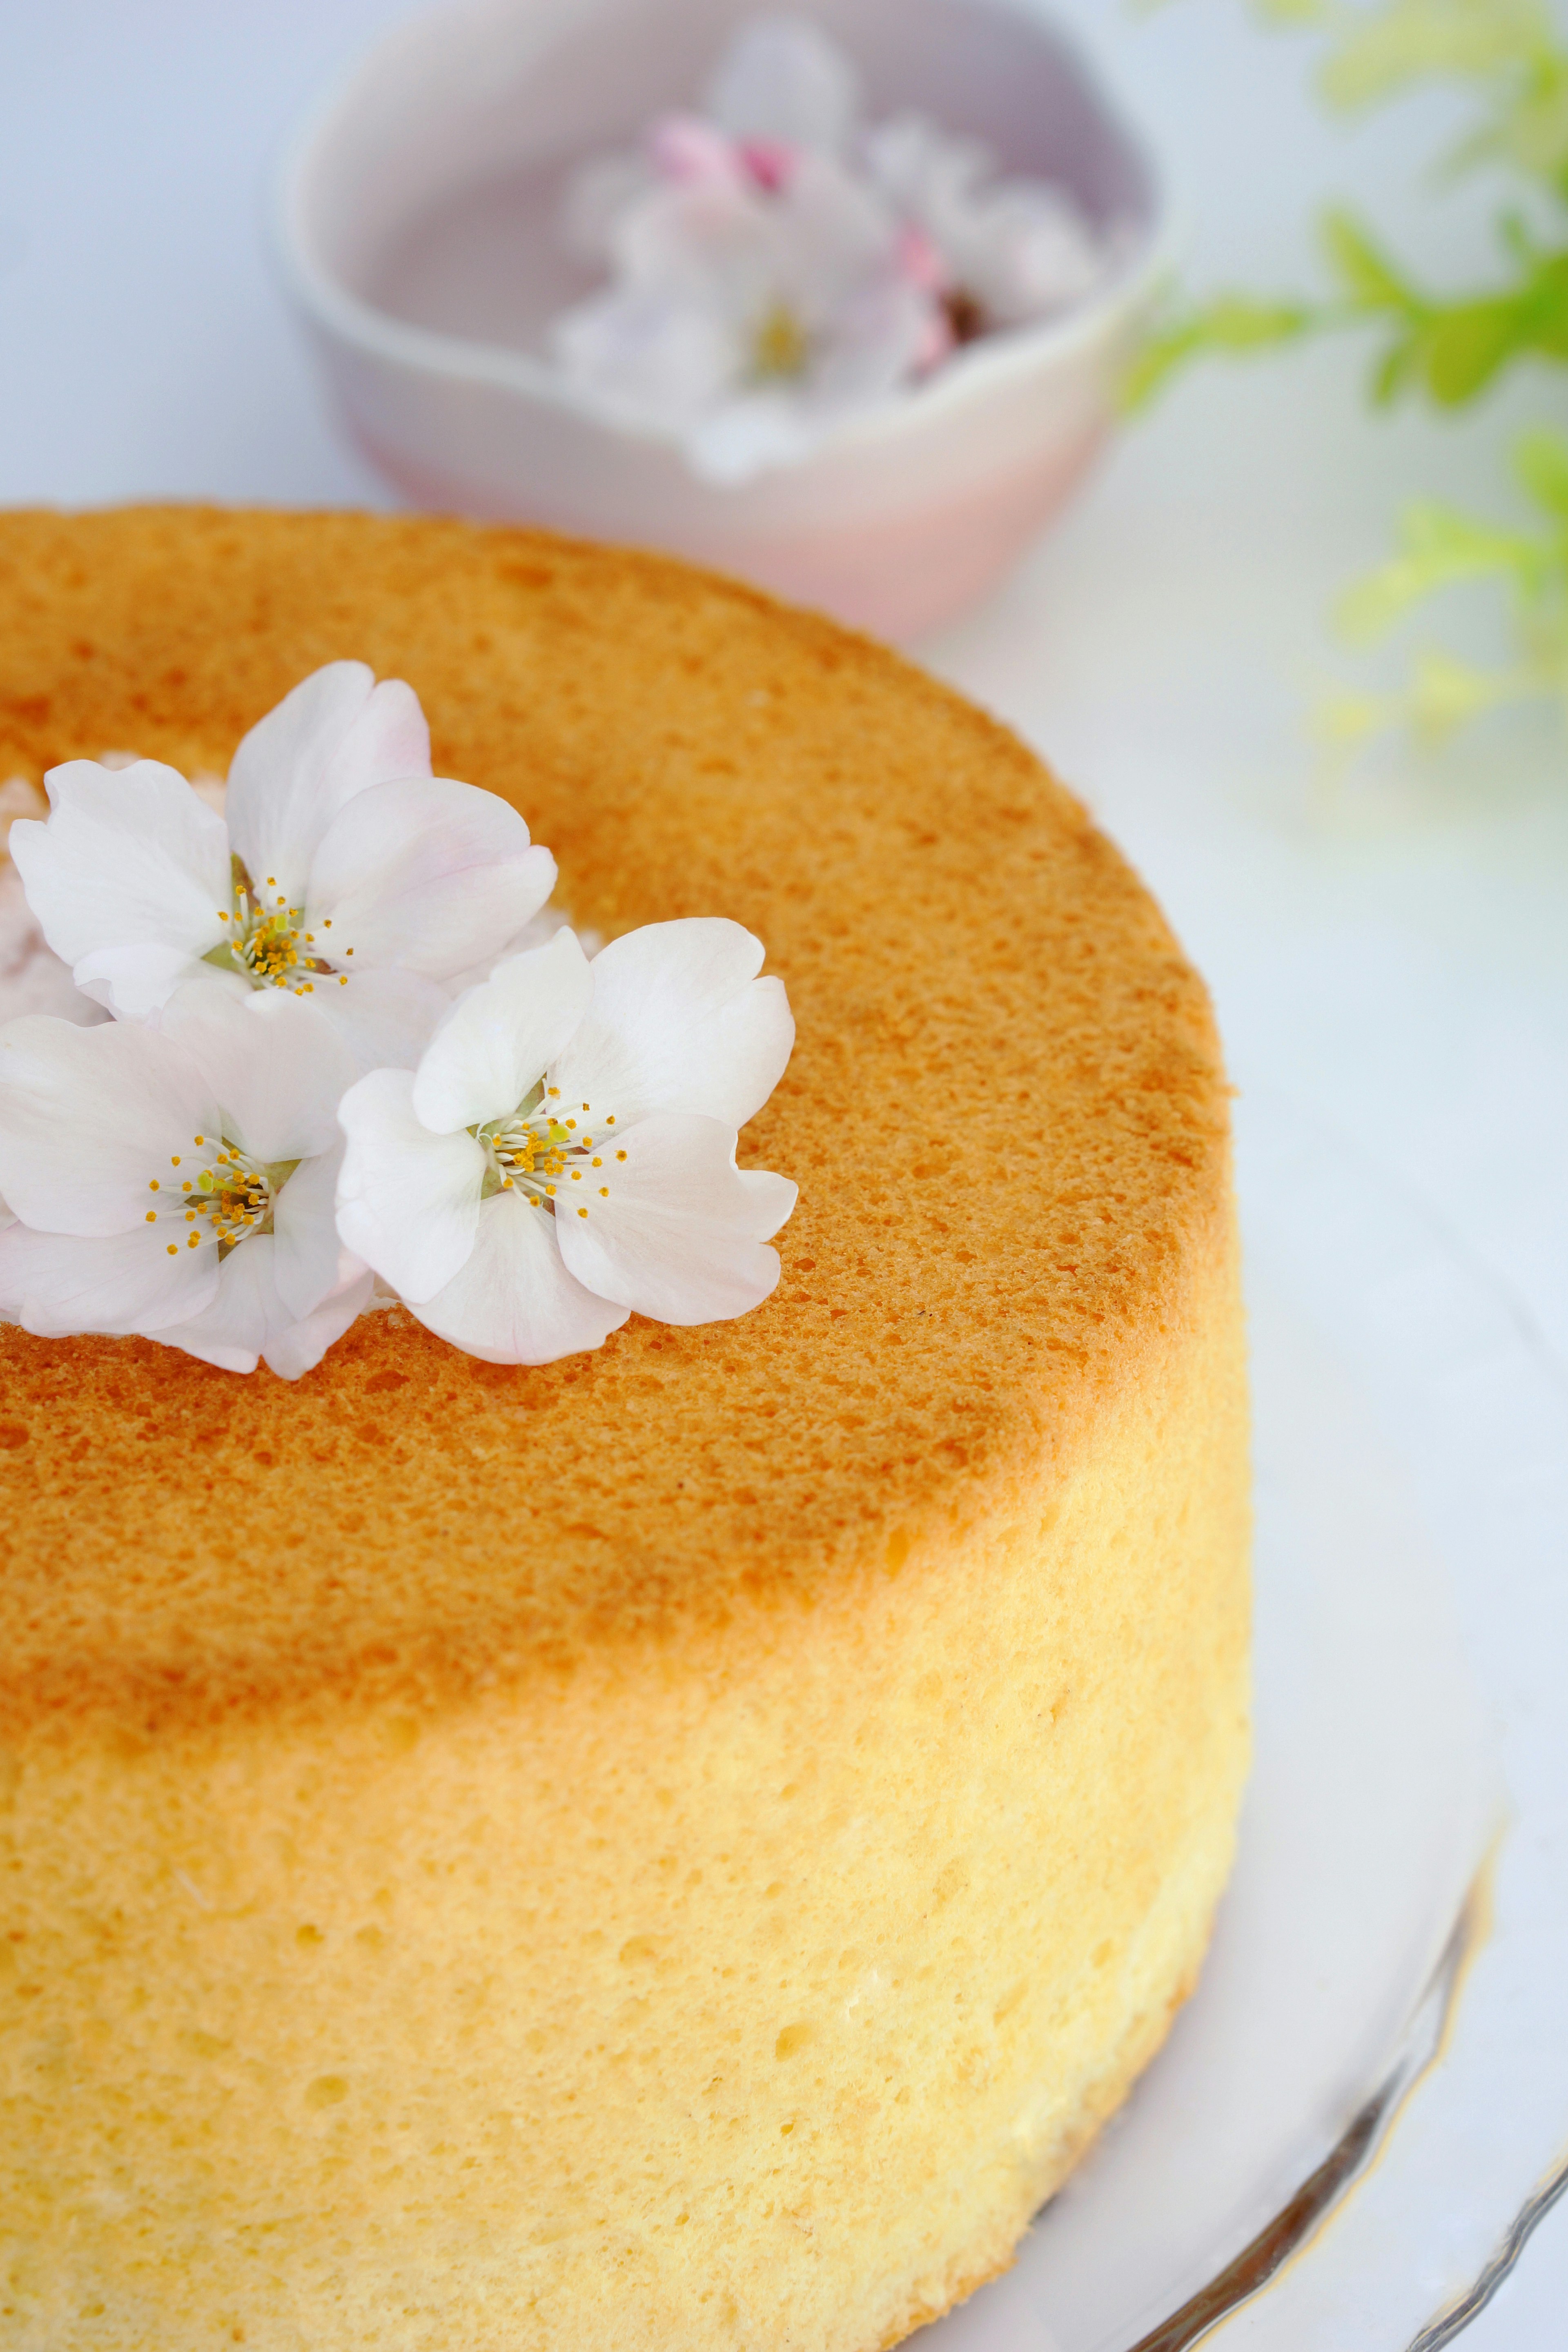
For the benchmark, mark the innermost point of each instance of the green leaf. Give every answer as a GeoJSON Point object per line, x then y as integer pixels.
{"type": "Point", "coordinates": [1445, 692]}
{"type": "Point", "coordinates": [1438, 548]}
{"type": "Point", "coordinates": [1290, 14]}
{"type": "Point", "coordinates": [1463, 348]}
{"type": "Point", "coordinates": [1395, 369]}
{"type": "Point", "coordinates": [1540, 461]}
{"type": "Point", "coordinates": [1407, 41]}
{"type": "Point", "coordinates": [1367, 276]}
{"type": "Point", "coordinates": [1232, 324]}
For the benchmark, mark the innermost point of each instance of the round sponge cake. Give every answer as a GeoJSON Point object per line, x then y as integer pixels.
{"type": "Point", "coordinates": [683, 1847]}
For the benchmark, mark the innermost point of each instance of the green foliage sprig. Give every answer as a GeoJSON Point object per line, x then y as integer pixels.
{"type": "Point", "coordinates": [1446, 347]}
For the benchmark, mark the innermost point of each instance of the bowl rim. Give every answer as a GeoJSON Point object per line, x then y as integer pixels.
{"type": "Point", "coordinates": [999, 357]}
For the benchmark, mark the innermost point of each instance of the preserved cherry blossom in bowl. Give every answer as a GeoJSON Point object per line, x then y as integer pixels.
{"type": "Point", "coordinates": [837, 300]}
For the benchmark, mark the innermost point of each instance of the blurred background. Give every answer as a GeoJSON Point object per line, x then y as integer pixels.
{"type": "Point", "coordinates": [1386, 937]}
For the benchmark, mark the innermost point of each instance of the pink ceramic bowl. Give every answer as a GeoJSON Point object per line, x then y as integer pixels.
{"type": "Point", "coordinates": [417, 231]}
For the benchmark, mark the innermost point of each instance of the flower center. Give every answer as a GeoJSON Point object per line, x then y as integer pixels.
{"type": "Point", "coordinates": [224, 1196]}
{"type": "Point", "coordinates": [559, 1159]}
{"type": "Point", "coordinates": [781, 348]}
{"type": "Point", "coordinates": [268, 943]}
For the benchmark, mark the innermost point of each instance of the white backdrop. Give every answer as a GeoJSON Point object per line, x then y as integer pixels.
{"type": "Point", "coordinates": [1393, 953]}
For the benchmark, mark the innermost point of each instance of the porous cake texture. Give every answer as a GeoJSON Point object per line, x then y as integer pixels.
{"type": "Point", "coordinates": [681, 1848]}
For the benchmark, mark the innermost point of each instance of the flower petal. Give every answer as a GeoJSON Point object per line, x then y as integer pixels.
{"type": "Point", "coordinates": [680, 1022]}
{"type": "Point", "coordinates": [58, 1284]}
{"type": "Point", "coordinates": [302, 1346]}
{"type": "Point", "coordinates": [681, 1235]}
{"type": "Point", "coordinates": [277, 1068]}
{"type": "Point", "coordinates": [408, 1202]}
{"type": "Point", "coordinates": [249, 1318]}
{"type": "Point", "coordinates": [129, 857]}
{"type": "Point", "coordinates": [336, 735]}
{"type": "Point", "coordinates": [310, 1261]}
{"type": "Point", "coordinates": [426, 875]}
{"type": "Point", "coordinates": [782, 78]}
{"type": "Point", "coordinates": [385, 1018]}
{"type": "Point", "coordinates": [494, 1045]}
{"type": "Point", "coordinates": [32, 977]}
{"type": "Point", "coordinates": [136, 983]}
{"type": "Point", "coordinates": [243, 1314]}
{"type": "Point", "coordinates": [515, 1302]}
{"type": "Point", "coordinates": [89, 1116]}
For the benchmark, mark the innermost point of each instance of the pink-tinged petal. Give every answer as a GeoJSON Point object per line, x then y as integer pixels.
{"type": "Point", "coordinates": [692, 152]}
{"type": "Point", "coordinates": [336, 735]}
{"type": "Point", "coordinates": [56, 1285]}
{"type": "Point", "coordinates": [243, 1312]}
{"type": "Point", "coordinates": [32, 977]}
{"type": "Point", "coordinates": [492, 1048]}
{"type": "Point", "coordinates": [301, 1347]}
{"type": "Point", "coordinates": [680, 1022]}
{"type": "Point", "coordinates": [136, 983]}
{"type": "Point", "coordinates": [89, 1117]}
{"type": "Point", "coordinates": [310, 1261]}
{"type": "Point", "coordinates": [428, 875]}
{"type": "Point", "coordinates": [781, 78]}
{"type": "Point", "coordinates": [408, 1202]}
{"type": "Point", "coordinates": [649, 352]}
{"type": "Point", "coordinates": [385, 1020]}
{"type": "Point", "coordinates": [129, 857]}
{"type": "Point", "coordinates": [276, 1067]}
{"type": "Point", "coordinates": [515, 1302]}
{"type": "Point", "coordinates": [249, 1318]}
{"type": "Point", "coordinates": [680, 1236]}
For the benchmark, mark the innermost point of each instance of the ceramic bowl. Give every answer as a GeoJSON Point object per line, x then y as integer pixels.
{"type": "Point", "coordinates": [417, 223]}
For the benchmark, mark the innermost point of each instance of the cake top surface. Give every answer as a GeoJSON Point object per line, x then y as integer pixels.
{"type": "Point", "coordinates": [1005, 1114]}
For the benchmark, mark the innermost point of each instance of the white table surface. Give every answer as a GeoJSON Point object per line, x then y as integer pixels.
{"type": "Point", "coordinates": [1393, 951]}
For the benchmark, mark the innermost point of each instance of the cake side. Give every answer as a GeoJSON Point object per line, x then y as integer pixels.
{"type": "Point", "coordinates": [754, 1994]}
{"type": "Point", "coordinates": [1005, 1111]}
{"type": "Point", "coordinates": [682, 1847]}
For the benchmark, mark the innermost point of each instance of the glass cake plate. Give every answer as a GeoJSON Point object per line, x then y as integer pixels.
{"type": "Point", "coordinates": [1364, 2107]}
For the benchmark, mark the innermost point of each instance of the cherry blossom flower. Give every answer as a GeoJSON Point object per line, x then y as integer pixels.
{"type": "Point", "coordinates": [776, 265]}
{"type": "Point", "coordinates": [179, 1181]}
{"type": "Point", "coordinates": [1009, 250]}
{"type": "Point", "coordinates": [759, 295]}
{"type": "Point", "coordinates": [342, 870]}
{"type": "Point", "coordinates": [564, 1154]}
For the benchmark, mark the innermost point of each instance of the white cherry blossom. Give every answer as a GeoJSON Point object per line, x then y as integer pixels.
{"type": "Point", "coordinates": [342, 870]}
{"type": "Point", "coordinates": [1009, 250]}
{"type": "Point", "coordinates": [776, 264]}
{"type": "Point", "coordinates": [179, 1181]}
{"type": "Point", "coordinates": [564, 1154]}
{"type": "Point", "coordinates": [759, 295]}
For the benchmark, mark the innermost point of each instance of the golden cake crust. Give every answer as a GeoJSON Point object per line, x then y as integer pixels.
{"type": "Point", "coordinates": [680, 1849]}
{"type": "Point", "coordinates": [1005, 1114]}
